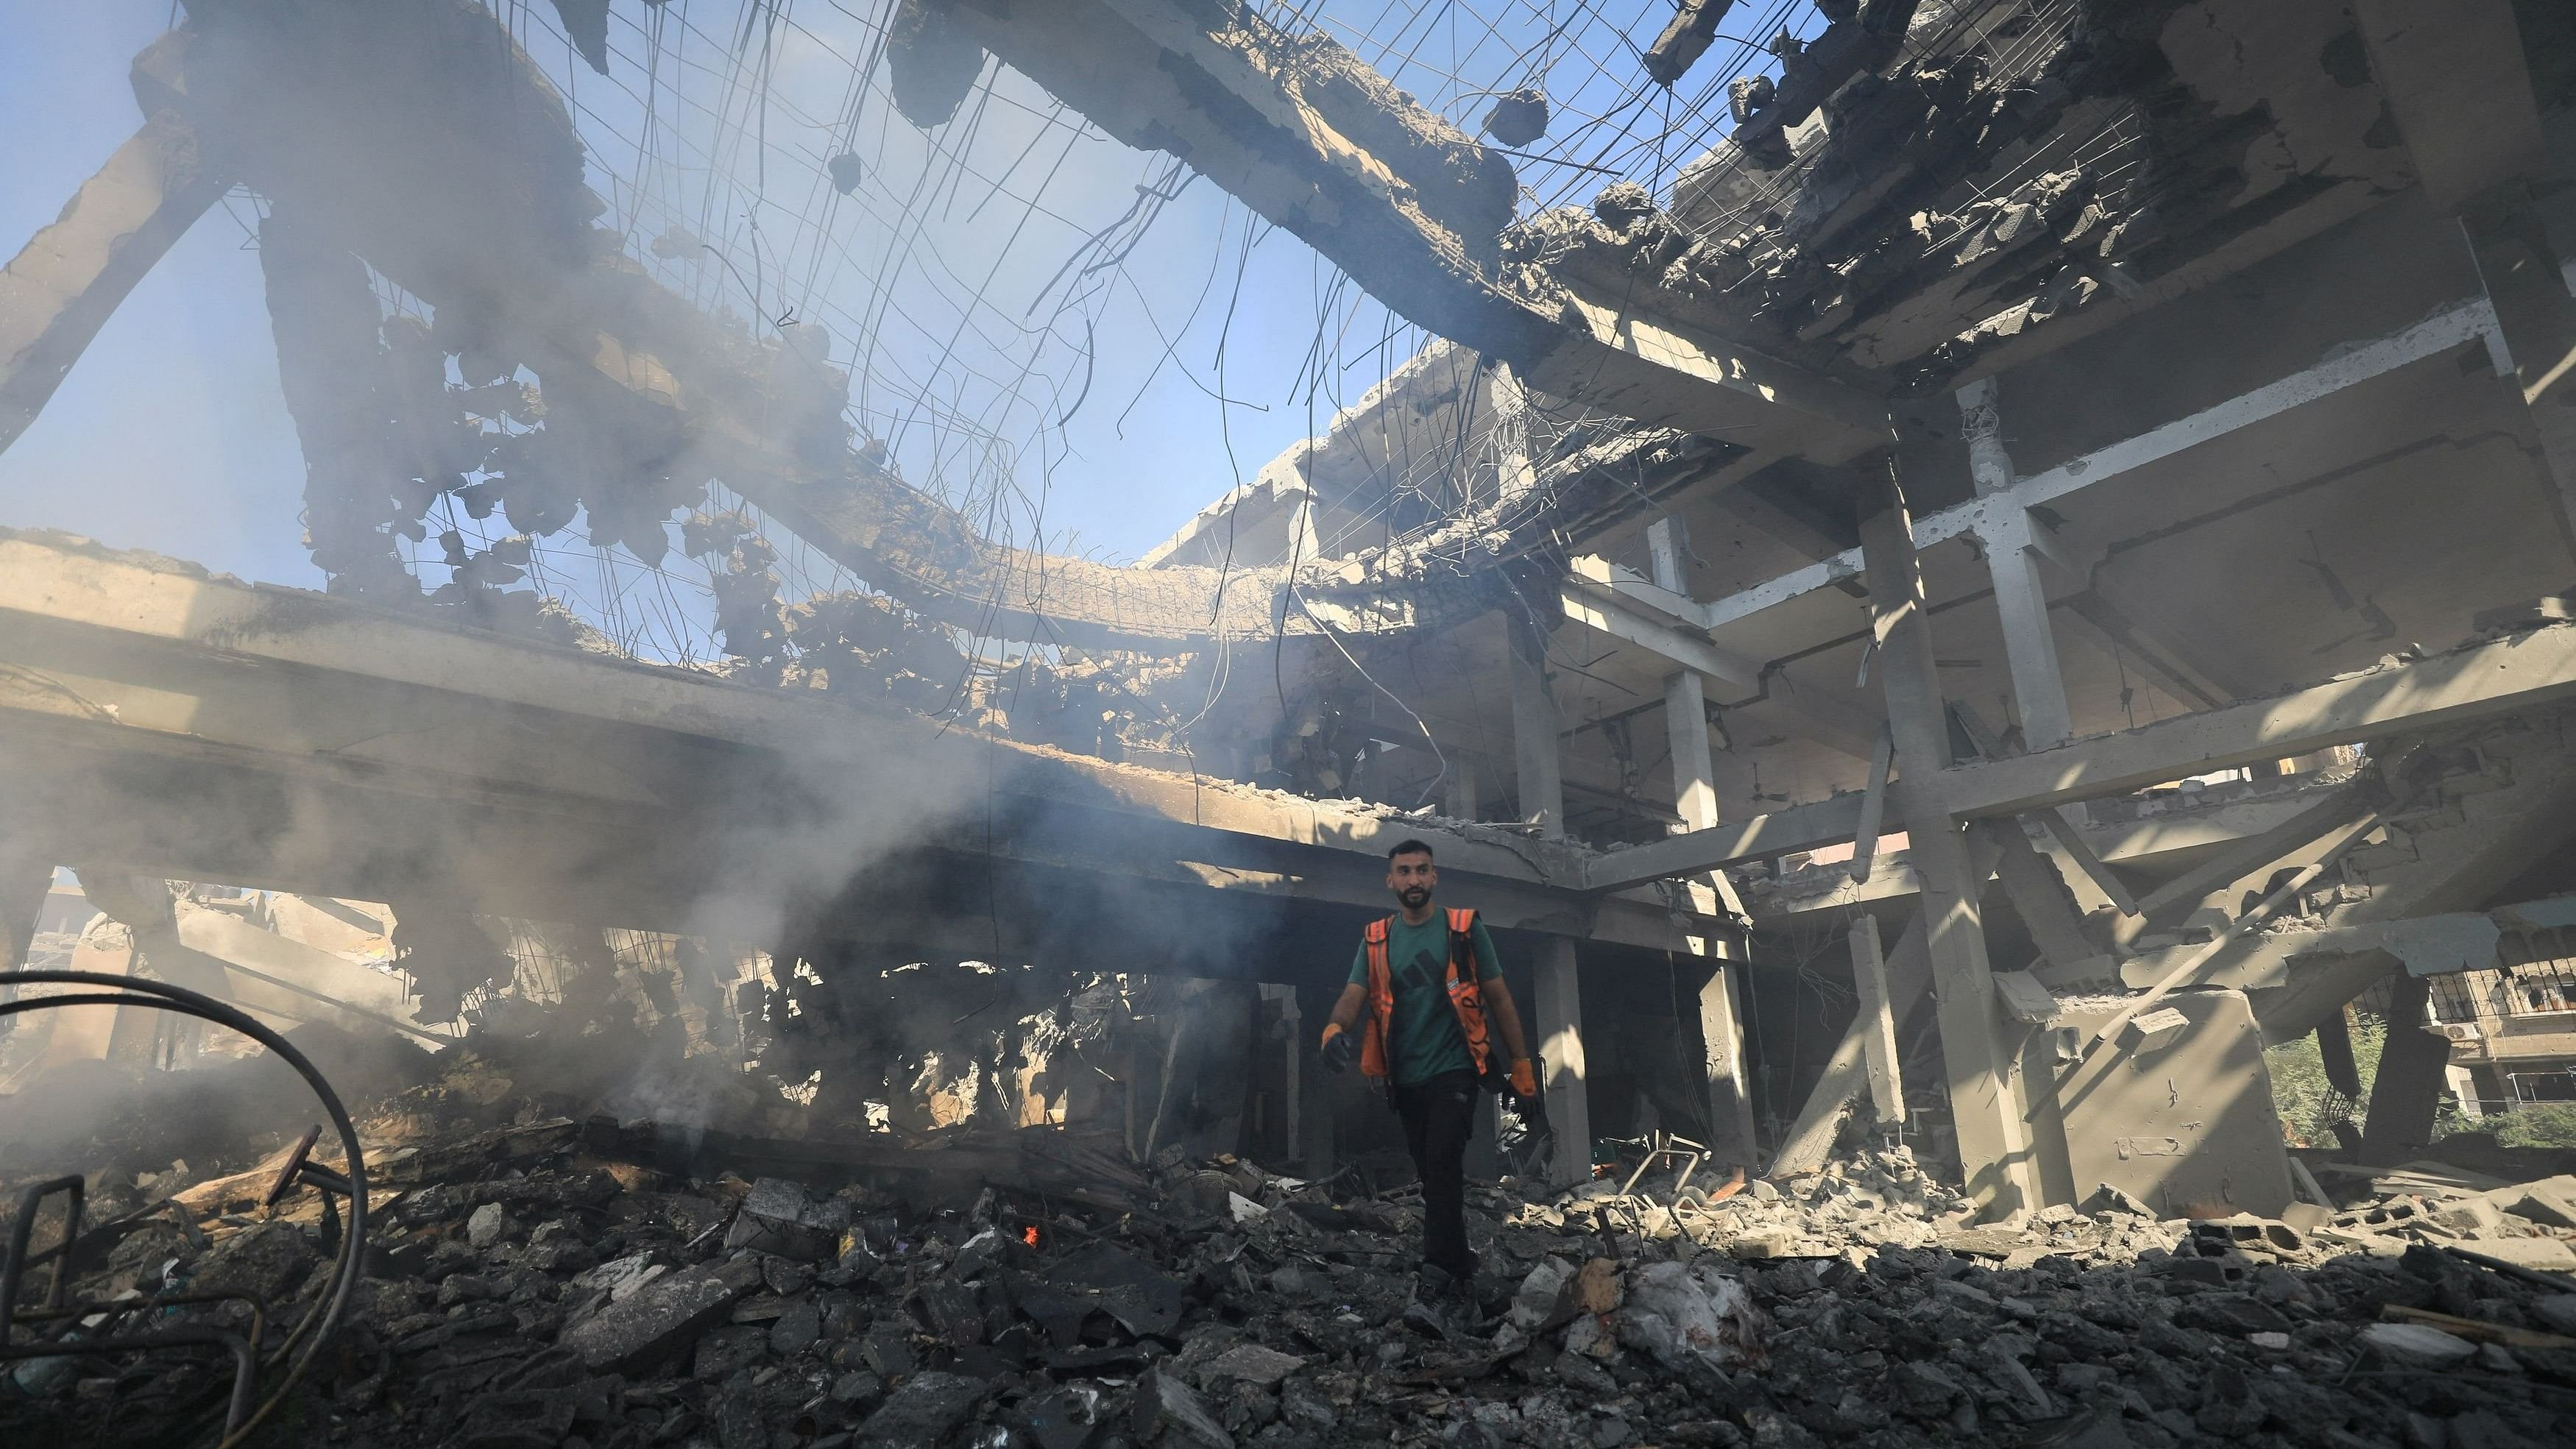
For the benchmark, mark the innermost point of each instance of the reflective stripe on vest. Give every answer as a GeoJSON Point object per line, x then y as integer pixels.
{"type": "Point", "coordinates": [1466, 994]}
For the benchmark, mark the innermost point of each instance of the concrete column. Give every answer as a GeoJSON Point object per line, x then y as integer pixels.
{"type": "Point", "coordinates": [1534, 732]}
{"type": "Point", "coordinates": [2526, 278]}
{"type": "Point", "coordinates": [1305, 545]}
{"type": "Point", "coordinates": [2030, 648]}
{"type": "Point", "coordinates": [2406, 1095]}
{"type": "Point", "coordinates": [1556, 1020]}
{"type": "Point", "coordinates": [1686, 727]}
{"type": "Point", "coordinates": [1993, 1152]}
{"type": "Point", "coordinates": [1464, 799]}
{"type": "Point", "coordinates": [26, 874]}
{"type": "Point", "coordinates": [1730, 1105]}
{"type": "Point", "coordinates": [1556, 1005]}
{"type": "Point", "coordinates": [1875, 1020]}
{"type": "Point", "coordinates": [1292, 1037]}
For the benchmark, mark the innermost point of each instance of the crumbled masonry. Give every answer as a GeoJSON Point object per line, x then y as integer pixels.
{"type": "Point", "coordinates": [1973, 595]}
{"type": "Point", "coordinates": [543, 1283]}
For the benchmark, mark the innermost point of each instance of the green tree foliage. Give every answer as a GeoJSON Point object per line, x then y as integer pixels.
{"type": "Point", "coordinates": [2309, 1105]}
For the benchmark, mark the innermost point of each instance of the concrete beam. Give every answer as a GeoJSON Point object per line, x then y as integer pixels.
{"type": "Point", "coordinates": [2478, 680]}
{"type": "Point", "coordinates": [137, 682]}
{"type": "Point", "coordinates": [1991, 516]}
{"type": "Point", "coordinates": [2176, 671]}
{"type": "Point", "coordinates": [1598, 595]}
{"type": "Point", "coordinates": [2459, 89]}
{"type": "Point", "coordinates": [64, 284]}
{"type": "Point", "coordinates": [1313, 139]}
{"type": "Point", "coordinates": [1830, 821]}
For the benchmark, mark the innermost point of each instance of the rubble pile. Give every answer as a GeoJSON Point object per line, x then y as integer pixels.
{"type": "Point", "coordinates": [549, 1282]}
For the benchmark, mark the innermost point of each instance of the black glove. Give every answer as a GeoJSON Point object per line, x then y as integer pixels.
{"type": "Point", "coordinates": [1338, 1051]}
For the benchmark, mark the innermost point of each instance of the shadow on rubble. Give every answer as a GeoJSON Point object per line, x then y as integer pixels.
{"type": "Point", "coordinates": [556, 1284]}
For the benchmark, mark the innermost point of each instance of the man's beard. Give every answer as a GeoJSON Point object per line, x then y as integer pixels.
{"type": "Point", "coordinates": [1414, 897]}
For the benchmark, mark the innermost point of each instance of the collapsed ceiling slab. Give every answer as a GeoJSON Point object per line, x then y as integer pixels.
{"type": "Point", "coordinates": [202, 728]}
{"type": "Point", "coordinates": [1312, 138]}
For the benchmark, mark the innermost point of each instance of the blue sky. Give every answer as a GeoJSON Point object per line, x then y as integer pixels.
{"type": "Point", "coordinates": [171, 433]}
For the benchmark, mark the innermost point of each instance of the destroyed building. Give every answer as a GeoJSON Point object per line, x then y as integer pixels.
{"type": "Point", "coordinates": [1981, 595]}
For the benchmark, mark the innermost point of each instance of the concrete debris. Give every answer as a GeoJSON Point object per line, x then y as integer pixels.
{"type": "Point", "coordinates": [1517, 117]}
{"type": "Point", "coordinates": [578, 1289]}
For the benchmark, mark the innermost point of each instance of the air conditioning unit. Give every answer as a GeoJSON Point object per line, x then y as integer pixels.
{"type": "Point", "coordinates": [2461, 1030]}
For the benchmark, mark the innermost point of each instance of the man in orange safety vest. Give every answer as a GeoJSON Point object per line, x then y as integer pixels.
{"type": "Point", "coordinates": [1426, 1000]}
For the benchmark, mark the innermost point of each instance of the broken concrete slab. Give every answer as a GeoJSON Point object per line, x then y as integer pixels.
{"type": "Point", "coordinates": [1170, 1414]}
{"type": "Point", "coordinates": [923, 1410]}
{"type": "Point", "coordinates": [663, 1316]}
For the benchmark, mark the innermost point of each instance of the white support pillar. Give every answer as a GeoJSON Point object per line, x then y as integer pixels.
{"type": "Point", "coordinates": [2030, 648]}
{"type": "Point", "coordinates": [1464, 799]}
{"type": "Point", "coordinates": [1534, 732]}
{"type": "Point", "coordinates": [1875, 1020]}
{"type": "Point", "coordinates": [1556, 1001]}
{"type": "Point", "coordinates": [1305, 545]}
{"type": "Point", "coordinates": [1993, 1151]}
{"type": "Point", "coordinates": [1292, 1034]}
{"type": "Point", "coordinates": [1730, 1105]}
{"type": "Point", "coordinates": [1556, 1018]}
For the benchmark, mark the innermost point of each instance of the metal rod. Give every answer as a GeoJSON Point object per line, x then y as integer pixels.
{"type": "Point", "coordinates": [23, 1232]}
{"type": "Point", "coordinates": [315, 1328]}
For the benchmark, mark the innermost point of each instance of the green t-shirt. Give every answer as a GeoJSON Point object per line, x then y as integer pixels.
{"type": "Point", "coordinates": [1426, 1039]}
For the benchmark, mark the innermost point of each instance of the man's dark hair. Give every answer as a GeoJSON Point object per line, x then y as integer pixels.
{"type": "Point", "coordinates": [1409, 847]}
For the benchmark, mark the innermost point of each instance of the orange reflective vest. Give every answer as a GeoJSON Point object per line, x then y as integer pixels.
{"type": "Point", "coordinates": [1466, 996]}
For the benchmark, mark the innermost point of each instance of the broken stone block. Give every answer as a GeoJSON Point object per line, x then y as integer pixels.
{"type": "Point", "coordinates": [2154, 1031]}
{"type": "Point", "coordinates": [1170, 1413]}
{"type": "Point", "coordinates": [1546, 1297]}
{"type": "Point", "coordinates": [977, 1254]}
{"type": "Point", "coordinates": [2557, 1311]}
{"type": "Point", "coordinates": [485, 1226]}
{"type": "Point", "coordinates": [1304, 1406]}
{"type": "Point", "coordinates": [726, 1348]}
{"type": "Point", "coordinates": [2417, 1344]}
{"type": "Point", "coordinates": [620, 1277]}
{"type": "Point", "coordinates": [663, 1316]}
{"type": "Point", "coordinates": [1596, 1288]}
{"type": "Point", "coordinates": [2550, 1255]}
{"type": "Point", "coordinates": [2552, 1201]}
{"type": "Point", "coordinates": [268, 1260]}
{"type": "Point", "coordinates": [1299, 1284]}
{"type": "Point", "coordinates": [2469, 1215]}
{"type": "Point", "coordinates": [781, 1217]}
{"type": "Point", "coordinates": [1761, 1243]}
{"type": "Point", "coordinates": [2234, 1313]}
{"type": "Point", "coordinates": [1254, 1364]}
{"type": "Point", "coordinates": [921, 1412]}
{"type": "Point", "coordinates": [518, 1419]}
{"type": "Point", "coordinates": [953, 1312]}
{"type": "Point", "coordinates": [795, 1330]}
{"type": "Point", "coordinates": [1061, 1418]}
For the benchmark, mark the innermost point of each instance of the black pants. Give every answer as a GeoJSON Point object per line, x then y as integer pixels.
{"type": "Point", "coordinates": [1438, 1116]}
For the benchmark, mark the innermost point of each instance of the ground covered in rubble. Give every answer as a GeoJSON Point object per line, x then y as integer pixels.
{"type": "Point", "coordinates": [549, 1282]}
